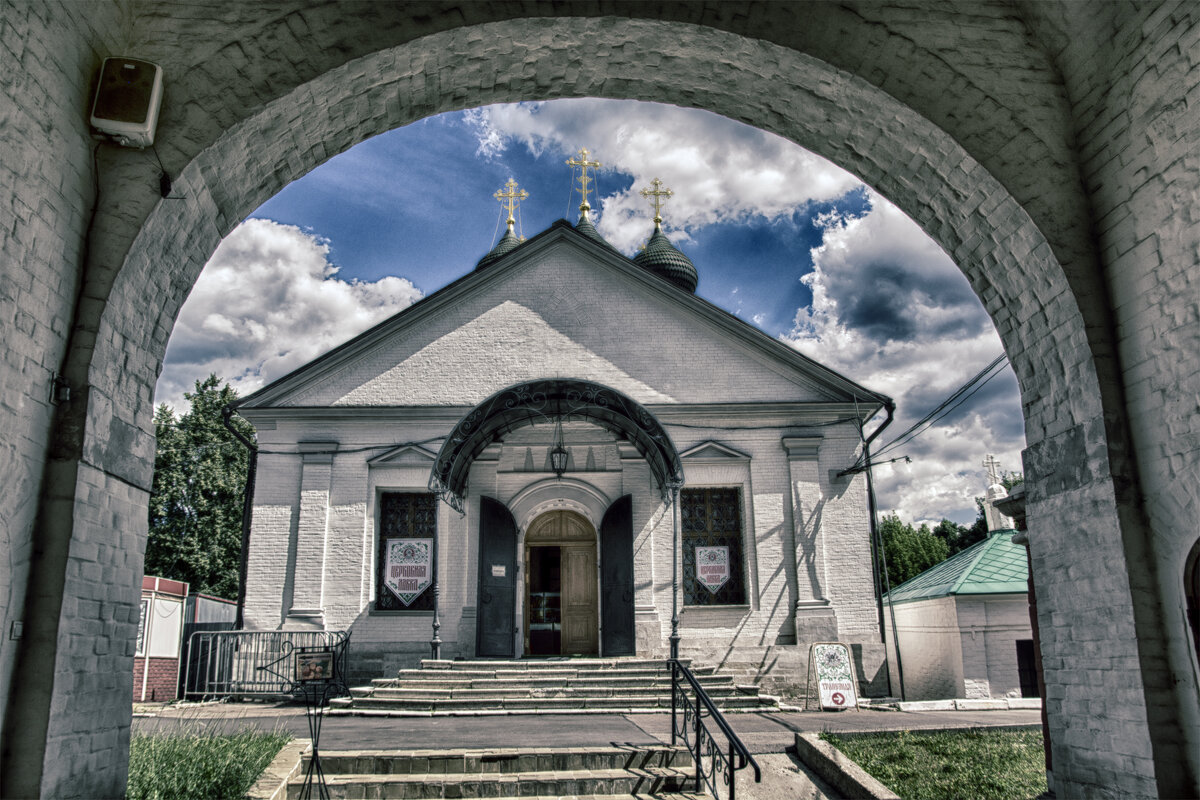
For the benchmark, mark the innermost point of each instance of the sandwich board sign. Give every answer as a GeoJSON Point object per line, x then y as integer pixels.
{"type": "Point", "coordinates": [836, 684]}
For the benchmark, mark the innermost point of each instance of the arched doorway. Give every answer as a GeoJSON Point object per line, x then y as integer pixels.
{"type": "Point", "coordinates": [562, 609]}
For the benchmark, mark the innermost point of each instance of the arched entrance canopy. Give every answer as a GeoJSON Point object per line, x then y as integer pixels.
{"type": "Point", "coordinates": [544, 401]}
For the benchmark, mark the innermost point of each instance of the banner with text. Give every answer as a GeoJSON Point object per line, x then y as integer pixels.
{"type": "Point", "coordinates": [712, 567]}
{"type": "Point", "coordinates": [408, 568]}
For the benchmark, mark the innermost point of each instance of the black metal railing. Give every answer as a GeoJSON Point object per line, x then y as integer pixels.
{"type": "Point", "coordinates": [243, 663]}
{"type": "Point", "coordinates": [691, 711]}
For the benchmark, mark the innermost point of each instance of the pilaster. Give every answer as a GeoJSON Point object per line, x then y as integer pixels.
{"type": "Point", "coordinates": [815, 618]}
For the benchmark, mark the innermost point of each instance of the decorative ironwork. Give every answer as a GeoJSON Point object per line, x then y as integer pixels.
{"type": "Point", "coordinates": [404, 515]}
{"type": "Point", "coordinates": [544, 401]}
{"type": "Point", "coordinates": [691, 712]}
{"type": "Point", "coordinates": [712, 518]}
{"type": "Point", "coordinates": [317, 673]}
{"type": "Point", "coordinates": [230, 663]}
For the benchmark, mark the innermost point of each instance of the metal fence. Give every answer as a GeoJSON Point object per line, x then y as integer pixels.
{"type": "Point", "coordinates": [249, 663]}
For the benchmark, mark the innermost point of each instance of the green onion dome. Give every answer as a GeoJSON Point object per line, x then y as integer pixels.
{"type": "Point", "coordinates": [663, 259]}
{"type": "Point", "coordinates": [508, 242]}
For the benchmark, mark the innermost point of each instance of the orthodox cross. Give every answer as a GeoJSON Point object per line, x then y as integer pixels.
{"type": "Point", "coordinates": [993, 468]}
{"type": "Point", "coordinates": [657, 197]}
{"type": "Point", "coordinates": [582, 162]}
{"type": "Point", "coordinates": [511, 198]}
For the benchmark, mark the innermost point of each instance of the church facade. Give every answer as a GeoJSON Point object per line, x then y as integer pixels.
{"type": "Point", "coordinates": [566, 453]}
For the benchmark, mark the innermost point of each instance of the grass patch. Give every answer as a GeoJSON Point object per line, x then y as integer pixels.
{"type": "Point", "coordinates": [197, 763]}
{"type": "Point", "coordinates": [949, 765]}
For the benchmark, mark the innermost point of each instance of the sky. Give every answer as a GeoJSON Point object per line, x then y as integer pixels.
{"type": "Point", "coordinates": [780, 237]}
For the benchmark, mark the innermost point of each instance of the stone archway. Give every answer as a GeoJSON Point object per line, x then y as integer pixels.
{"type": "Point", "coordinates": [991, 174]}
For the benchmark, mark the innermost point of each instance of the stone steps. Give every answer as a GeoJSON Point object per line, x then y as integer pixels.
{"type": "Point", "coordinates": [598, 772]}
{"type": "Point", "coordinates": [540, 685]}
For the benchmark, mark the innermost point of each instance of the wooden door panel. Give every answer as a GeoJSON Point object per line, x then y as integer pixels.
{"type": "Point", "coordinates": [580, 627]}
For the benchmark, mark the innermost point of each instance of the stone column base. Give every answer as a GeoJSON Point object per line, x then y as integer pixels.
{"type": "Point", "coordinates": [305, 619]}
{"type": "Point", "coordinates": [815, 622]}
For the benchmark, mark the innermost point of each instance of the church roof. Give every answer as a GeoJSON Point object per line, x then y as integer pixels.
{"type": "Point", "coordinates": [663, 259]}
{"type": "Point", "coordinates": [994, 566]}
{"type": "Point", "coordinates": [763, 349]}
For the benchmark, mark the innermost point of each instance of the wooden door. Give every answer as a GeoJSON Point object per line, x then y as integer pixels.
{"type": "Point", "coordinates": [576, 539]}
{"type": "Point", "coordinates": [497, 607]}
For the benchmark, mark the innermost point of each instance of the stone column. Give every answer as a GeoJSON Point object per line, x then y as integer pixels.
{"type": "Point", "coordinates": [312, 535]}
{"type": "Point", "coordinates": [815, 618]}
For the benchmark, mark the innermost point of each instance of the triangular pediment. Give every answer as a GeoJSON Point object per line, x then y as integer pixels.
{"type": "Point", "coordinates": [713, 451]}
{"type": "Point", "coordinates": [560, 306]}
{"type": "Point", "coordinates": [405, 455]}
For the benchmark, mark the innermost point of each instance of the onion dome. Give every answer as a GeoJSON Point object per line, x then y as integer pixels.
{"type": "Point", "coordinates": [586, 227]}
{"type": "Point", "coordinates": [508, 242]}
{"type": "Point", "coordinates": [663, 259]}
{"type": "Point", "coordinates": [510, 197]}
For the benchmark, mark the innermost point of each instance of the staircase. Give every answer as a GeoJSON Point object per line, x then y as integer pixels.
{"type": "Point", "coordinates": [586, 772]}
{"type": "Point", "coordinates": [541, 686]}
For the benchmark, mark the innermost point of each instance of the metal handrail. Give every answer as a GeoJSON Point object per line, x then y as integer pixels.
{"type": "Point", "coordinates": [699, 740]}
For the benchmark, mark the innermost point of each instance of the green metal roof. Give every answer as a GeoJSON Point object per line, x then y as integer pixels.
{"type": "Point", "coordinates": [993, 566]}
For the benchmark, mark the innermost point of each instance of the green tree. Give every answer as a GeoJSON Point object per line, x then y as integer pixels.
{"type": "Point", "coordinates": [196, 500]}
{"type": "Point", "coordinates": [910, 551]}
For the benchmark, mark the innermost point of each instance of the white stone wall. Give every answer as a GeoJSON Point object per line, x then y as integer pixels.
{"type": "Point", "coordinates": [990, 626]}
{"type": "Point", "coordinates": [336, 558]}
{"type": "Point", "coordinates": [930, 648]}
{"type": "Point", "coordinates": [960, 646]}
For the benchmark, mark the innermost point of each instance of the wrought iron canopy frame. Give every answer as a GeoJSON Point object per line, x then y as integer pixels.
{"type": "Point", "coordinates": [547, 400]}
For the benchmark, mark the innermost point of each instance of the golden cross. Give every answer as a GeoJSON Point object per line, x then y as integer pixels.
{"type": "Point", "coordinates": [583, 163]}
{"type": "Point", "coordinates": [511, 198]}
{"type": "Point", "coordinates": [657, 197]}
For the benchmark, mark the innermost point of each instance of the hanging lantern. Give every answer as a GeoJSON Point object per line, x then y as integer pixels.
{"type": "Point", "coordinates": [558, 455]}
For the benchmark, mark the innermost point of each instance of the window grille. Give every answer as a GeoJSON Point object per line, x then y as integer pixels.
{"type": "Point", "coordinates": [712, 517]}
{"type": "Point", "coordinates": [404, 515]}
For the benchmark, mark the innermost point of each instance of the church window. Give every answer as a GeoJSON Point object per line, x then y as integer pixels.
{"type": "Point", "coordinates": [713, 568]}
{"type": "Point", "coordinates": [404, 567]}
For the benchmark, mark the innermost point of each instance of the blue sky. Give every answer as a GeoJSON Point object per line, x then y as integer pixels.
{"type": "Point", "coordinates": [780, 237]}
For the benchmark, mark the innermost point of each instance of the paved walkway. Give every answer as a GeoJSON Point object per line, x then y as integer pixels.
{"type": "Point", "coordinates": [762, 732]}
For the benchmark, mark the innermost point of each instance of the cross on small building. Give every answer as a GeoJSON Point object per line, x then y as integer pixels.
{"type": "Point", "coordinates": [993, 469]}
{"type": "Point", "coordinates": [657, 196]}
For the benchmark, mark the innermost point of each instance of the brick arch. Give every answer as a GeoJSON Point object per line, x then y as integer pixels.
{"type": "Point", "coordinates": [959, 118]}
{"type": "Point", "coordinates": [902, 154]}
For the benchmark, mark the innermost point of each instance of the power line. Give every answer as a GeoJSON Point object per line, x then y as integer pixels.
{"type": "Point", "coordinates": [953, 401]}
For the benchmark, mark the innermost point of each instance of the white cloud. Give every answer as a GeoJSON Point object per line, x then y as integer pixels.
{"type": "Point", "coordinates": [719, 170]}
{"type": "Point", "coordinates": [267, 302]}
{"type": "Point", "coordinates": [893, 311]}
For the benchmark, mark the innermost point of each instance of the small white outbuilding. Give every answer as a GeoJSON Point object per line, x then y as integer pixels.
{"type": "Point", "coordinates": [963, 625]}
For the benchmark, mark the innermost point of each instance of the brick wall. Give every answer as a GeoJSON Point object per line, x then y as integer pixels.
{"type": "Point", "coordinates": [1046, 146]}
{"type": "Point", "coordinates": [162, 682]}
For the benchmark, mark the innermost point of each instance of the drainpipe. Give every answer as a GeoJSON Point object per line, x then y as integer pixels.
{"type": "Point", "coordinates": [879, 556]}
{"type": "Point", "coordinates": [247, 509]}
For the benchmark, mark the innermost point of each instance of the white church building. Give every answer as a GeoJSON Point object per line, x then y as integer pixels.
{"type": "Point", "coordinates": [566, 452]}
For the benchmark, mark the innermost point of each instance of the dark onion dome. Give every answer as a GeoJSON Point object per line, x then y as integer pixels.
{"type": "Point", "coordinates": [663, 259]}
{"type": "Point", "coordinates": [508, 242]}
{"type": "Point", "coordinates": [586, 227]}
